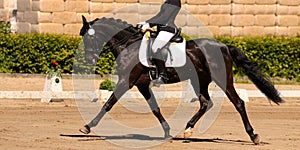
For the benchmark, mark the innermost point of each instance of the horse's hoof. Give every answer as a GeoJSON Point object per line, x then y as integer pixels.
{"type": "Point", "coordinates": [256, 139]}
{"type": "Point", "coordinates": [188, 133]}
{"type": "Point", "coordinates": [86, 129]}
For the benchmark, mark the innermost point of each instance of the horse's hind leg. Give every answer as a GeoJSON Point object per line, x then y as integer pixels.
{"type": "Point", "coordinates": [205, 105]}
{"type": "Point", "coordinates": [240, 107]}
{"type": "Point", "coordinates": [148, 94]}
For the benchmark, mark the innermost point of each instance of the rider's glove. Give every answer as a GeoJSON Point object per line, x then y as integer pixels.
{"type": "Point", "coordinates": [143, 25]}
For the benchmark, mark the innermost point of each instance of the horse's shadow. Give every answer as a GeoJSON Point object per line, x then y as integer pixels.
{"type": "Point", "coordinates": [119, 137]}
{"type": "Point", "coordinates": [148, 138]}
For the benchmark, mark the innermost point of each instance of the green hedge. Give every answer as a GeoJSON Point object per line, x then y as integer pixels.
{"type": "Point", "coordinates": [33, 53]}
{"type": "Point", "coordinates": [4, 27]}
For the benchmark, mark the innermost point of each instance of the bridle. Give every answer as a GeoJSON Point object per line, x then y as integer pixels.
{"type": "Point", "coordinates": [94, 47]}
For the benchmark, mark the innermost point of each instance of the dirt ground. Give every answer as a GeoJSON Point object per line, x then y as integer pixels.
{"type": "Point", "coordinates": [30, 124]}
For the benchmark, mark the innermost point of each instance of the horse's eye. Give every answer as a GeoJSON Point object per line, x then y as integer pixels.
{"type": "Point", "coordinates": [91, 32]}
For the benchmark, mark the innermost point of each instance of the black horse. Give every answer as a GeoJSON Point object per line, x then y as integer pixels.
{"type": "Point", "coordinates": [123, 40]}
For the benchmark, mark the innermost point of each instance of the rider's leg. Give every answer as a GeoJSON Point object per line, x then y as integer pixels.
{"type": "Point", "coordinates": [160, 55]}
{"type": "Point", "coordinates": [159, 59]}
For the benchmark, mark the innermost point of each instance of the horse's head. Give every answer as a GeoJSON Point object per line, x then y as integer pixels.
{"type": "Point", "coordinates": [93, 43]}
{"type": "Point", "coordinates": [109, 31]}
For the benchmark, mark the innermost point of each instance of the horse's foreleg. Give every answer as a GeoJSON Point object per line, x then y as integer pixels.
{"type": "Point", "coordinates": [149, 96]}
{"type": "Point", "coordinates": [240, 107]}
{"type": "Point", "coordinates": [120, 89]}
{"type": "Point", "coordinates": [107, 106]}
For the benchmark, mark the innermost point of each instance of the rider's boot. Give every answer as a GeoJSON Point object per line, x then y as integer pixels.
{"type": "Point", "coordinates": [159, 61]}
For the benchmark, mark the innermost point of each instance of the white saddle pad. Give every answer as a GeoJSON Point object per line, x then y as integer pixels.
{"type": "Point", "coordinates": [177, 50]}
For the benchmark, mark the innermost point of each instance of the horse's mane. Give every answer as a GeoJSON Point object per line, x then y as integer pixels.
{"type": "Point", "coordinates": [119, 27]}
{"type": "Point", "coordinates": [117, 23]}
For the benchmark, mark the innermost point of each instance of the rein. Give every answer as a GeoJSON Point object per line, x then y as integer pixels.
{"type": "Point", "coordinates": [119, 42]}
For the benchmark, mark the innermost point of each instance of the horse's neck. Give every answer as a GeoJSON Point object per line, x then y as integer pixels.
{"type": "Point", "coordinates": [119, 42]}
{"type": "Point", "coordinates": [116, 45]}
{"type": "Point", "coordinates": [117, 35]}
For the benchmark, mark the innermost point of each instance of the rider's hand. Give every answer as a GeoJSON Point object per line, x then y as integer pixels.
{"type": "Point", "coordinates": [143, 25]}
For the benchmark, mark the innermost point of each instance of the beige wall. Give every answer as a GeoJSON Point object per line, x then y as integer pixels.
{"type": "Point", "coordinates": [222, 17]}
{"type": "Point", "coordinates": [6, 8]}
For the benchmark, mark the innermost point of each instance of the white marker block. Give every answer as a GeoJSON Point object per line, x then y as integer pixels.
{"type": "Point", "coordinates": [53, 84]}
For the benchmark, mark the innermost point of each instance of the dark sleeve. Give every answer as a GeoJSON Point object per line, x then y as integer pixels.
{"type": "Point", "coordinates": [174, 2]}
{"type": "Point", "coordinates": [168, 10]}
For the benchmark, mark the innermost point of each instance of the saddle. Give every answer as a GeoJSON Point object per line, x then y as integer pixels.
{"type": "Point", "coordinates": [177, 38]}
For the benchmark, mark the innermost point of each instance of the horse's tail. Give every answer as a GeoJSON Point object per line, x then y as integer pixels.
{"type": "Point", "coordinates": [252, 71]}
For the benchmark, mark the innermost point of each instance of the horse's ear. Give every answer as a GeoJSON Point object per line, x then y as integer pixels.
{"type": "Point", "coordinates": [84, 21]}
{"type": "Point", "coordinates": [85, 26]}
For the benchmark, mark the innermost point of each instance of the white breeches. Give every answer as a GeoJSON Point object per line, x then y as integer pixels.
{"type": "Point", "coordinates": [161, 40]}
